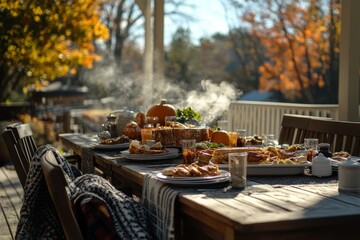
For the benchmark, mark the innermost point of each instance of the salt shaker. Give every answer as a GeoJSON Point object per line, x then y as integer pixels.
{"type": "Point", "coordinates": [321, 166]}
{"type": "Point", "coordinates": [349, 176]}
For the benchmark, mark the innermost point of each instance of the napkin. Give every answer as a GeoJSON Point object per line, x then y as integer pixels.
{"type": "Point", "coordinates": [159, 200]}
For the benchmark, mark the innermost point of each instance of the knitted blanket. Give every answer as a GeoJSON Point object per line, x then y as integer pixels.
{"type": "Point", "coordinates": [38, 217]}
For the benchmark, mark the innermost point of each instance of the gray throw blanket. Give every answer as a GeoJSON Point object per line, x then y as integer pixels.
{"type": "Point", "coordinates": [38, 217]}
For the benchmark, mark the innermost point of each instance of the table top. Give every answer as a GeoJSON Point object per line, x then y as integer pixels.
{"type": "Point", "coordinates": [276, 204]}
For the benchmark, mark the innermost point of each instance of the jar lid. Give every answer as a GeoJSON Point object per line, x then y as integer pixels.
{"type": "Point", "coordinates": [324, 145]}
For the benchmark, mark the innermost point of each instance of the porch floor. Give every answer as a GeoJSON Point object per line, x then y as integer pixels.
{"type": "Point", "coordinates": [11, 194]}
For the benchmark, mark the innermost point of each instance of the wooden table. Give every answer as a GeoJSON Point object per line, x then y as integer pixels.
{"type": "Point", "coordinates": [291, 207]}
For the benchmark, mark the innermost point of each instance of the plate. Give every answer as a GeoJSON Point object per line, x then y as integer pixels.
{"type": "Point", "coordinates": [112, 146]}
{"type": "Point", "coordinates": [335, 163]}
{"type": "Point", "coordinates": [272, 169]}
{"type": "Point", "coordinates": [171, 153]}
{"type": "Point", "coordinates": [207, 178]}
{"type": "Point", "coordinates": [223, 177]}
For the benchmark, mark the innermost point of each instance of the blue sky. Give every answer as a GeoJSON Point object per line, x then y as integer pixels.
{"type": "Point", "coordinates": [209, 18]}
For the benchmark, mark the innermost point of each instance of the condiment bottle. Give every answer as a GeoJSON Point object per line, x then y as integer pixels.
{"type": "Point", "coordinates": [321, 166]}
{"type": "Point", "coordinates": [111, 125]}
{"type": "Point", "coordinates": [324, 148]}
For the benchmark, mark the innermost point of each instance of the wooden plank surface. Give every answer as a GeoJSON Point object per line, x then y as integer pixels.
{"type": "Point", "coordinates": [11, 193]}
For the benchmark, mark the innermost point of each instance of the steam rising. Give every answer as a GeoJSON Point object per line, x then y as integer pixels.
{"type": "Point", "coordinates": [211, 100]}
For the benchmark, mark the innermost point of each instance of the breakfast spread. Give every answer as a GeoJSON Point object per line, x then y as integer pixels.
{"type": "Point", "coordinates": [115, 140]}
{"type": "Point", "coordinates": [256, 155]}
{"type": "Point", "coordinates": [192, 170]}
{"type": "Point", "coordinates": [137, 148]}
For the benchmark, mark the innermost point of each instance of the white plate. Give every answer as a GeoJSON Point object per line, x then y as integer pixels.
{"type": "Point", "coordinates": [171, 153]}
{"type": "Point", "coordinates": [222, 174]}
{"type": "Point", "coordinates": [335, 163]}
{"type": "Point", "coordinates": [112, 146]}
{"type": "Point", "coordinates": [272, 169]}
{"type": "Point", "coordinates": [224, 177]}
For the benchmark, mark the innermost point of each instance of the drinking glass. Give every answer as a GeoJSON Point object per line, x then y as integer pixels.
{"type": "Point", "coordinates": [233, 137]}
{"type": "Point", "coordinates": [238, 169]}
{"type": "Point", "coordinates": [188, 150]}
{"type": "Point", "coordinates": [311, 147]}
{"type": "Point", "coordinates": [241, 141]}
{"type": "Point", "coordinates": [268, 140]}
{"type": "Point", "coordinates": [223, 125]}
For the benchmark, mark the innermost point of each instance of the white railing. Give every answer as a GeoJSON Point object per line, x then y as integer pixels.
{"type": "Point", "coordinates": [266, 117]}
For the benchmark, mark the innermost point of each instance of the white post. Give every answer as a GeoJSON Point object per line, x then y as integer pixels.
{"type": "Point", "coordinates": [349, 86]}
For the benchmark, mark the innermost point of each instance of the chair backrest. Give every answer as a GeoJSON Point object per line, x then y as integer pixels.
{"type": "Point", "coordinates": [294, 128]}
{"type": "Point", "coordinates": [342, 135]}
{"type": "Point", "coordinates": [21, 146]}
{"type": "Point", "coordinates": [56, 183]}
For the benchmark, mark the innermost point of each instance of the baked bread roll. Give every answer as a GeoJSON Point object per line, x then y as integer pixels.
{"type": "Point", "coordinates": [204, 156]}
{"type": "Point", "coordinates": [181, 172]}
{"type": "Point", "coordinates": [169, 171]}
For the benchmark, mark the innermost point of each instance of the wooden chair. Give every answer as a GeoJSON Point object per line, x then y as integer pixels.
{"type": "Point", "coordinates": [342, 135]}
{"type": "Point", "coordinates": [56, 183]}
{"type": "Point", "coordinates": [21, 146]}
{"type": "Point", "coordinates": [294, 128]}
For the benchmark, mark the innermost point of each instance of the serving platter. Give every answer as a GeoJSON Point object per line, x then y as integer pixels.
{"type": "Point", "coordinates": [335, 163]}
{"type": "Point", "coordinates": [169, 154]}
{"type": "Point", "coordinates": [222, 174]}
{"type": "Point", "coordinates": [185, 181]}
{"type": "Point", "coordinates": [112, 146]}
{"type": "Point", "coordinates": [272, 169]}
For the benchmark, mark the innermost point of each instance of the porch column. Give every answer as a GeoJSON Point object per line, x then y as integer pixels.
{"type": "Point", "coordinates": [159, 47]}
{"type": "Point", "coordinates": [145, 7]}
{"type": "Point", "coordinates": [349, 87]}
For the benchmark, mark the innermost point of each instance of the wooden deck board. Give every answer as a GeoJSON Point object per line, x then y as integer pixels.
{"type": "Point", "coordinates": [11, 194]}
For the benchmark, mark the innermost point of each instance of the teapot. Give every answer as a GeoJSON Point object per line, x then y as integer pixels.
{"type": "Point", "coordinates": [123, 117]}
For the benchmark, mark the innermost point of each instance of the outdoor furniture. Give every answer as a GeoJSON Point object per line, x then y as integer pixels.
{"type": "Point", "coordinates": [56, 184]}
{"type": "Point", "coordinates": [276, 207]}
{"type": "Point", "coordinates": [294, 128]}
{"type": "Point", "coordinates": [342, 135]}
{"type": "Point", "coordinates": [21, 146]}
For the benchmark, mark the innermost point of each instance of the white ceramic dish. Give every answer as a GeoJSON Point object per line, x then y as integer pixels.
{"type": "Point", "coordinates": [112, 146]}
{"type": "Point", "coordinates": [222, 174]}
{"type": "Point", "coordinates": [169, 154]}
{"type": "Point", "coordinates": [223, 177]}
{"type": "Point", "coordinates": [272, 169]}
{"type": "Point", "coordinates": [335, 163]}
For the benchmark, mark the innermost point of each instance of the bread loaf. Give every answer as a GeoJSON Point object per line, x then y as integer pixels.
{"type": "Point", "coordinates": [220, 155]}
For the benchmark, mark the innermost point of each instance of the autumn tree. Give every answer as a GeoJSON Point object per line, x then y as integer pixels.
{"type": "Point", "coordinates": [121, 17]}
{"type": "Point", "coordinates": [302, 45]}
{"type": "Point", "coordinates": [42, 40]}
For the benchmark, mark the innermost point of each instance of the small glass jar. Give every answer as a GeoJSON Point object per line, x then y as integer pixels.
{"type": "Point", "coordinates": [111, 125]}
{"type": "Point", "coordinates": [324, 148]}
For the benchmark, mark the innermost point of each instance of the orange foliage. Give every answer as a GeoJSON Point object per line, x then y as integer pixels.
{"type": "Point", "coordinates": [48, 40]}
{"type": "Point", "coordinates": [297, 40]}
